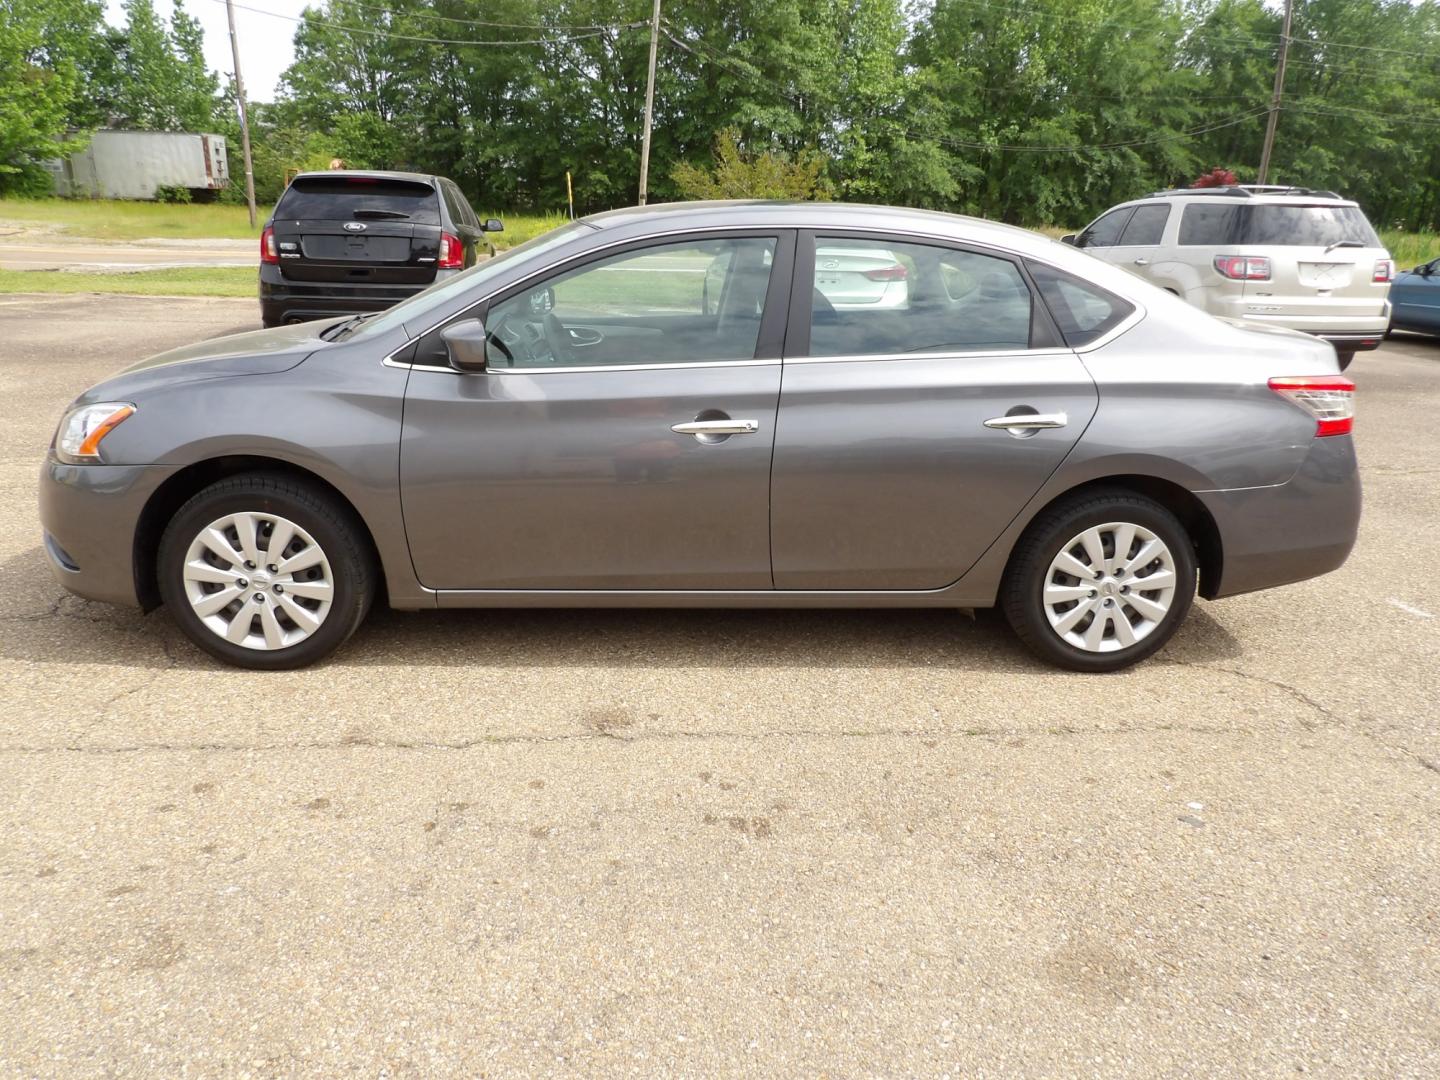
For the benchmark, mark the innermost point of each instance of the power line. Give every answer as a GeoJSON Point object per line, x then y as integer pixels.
{"type": "Point", "coordinates": [722, 58]}
{"type": "Point", "coordinates": [314, 20]}
{"type": "Point", "coordinates": [475, 22]}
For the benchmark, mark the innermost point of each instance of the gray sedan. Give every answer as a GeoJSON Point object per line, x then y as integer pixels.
{"type": "Point", "coordinates": [665, 407]}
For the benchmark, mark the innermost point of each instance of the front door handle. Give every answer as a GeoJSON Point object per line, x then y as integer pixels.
{"type": "Point", "coordinates": [1142, 261]}
{"type": "Point", "coordinates": [1025, 421]}
{"type": "Point", "coordinates": [717, 427]}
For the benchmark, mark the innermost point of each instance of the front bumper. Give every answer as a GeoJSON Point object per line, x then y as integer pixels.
{"type": "Point", "coordinates": [89, 514]}
{"type": "Point", "coordinates": [1292, 531]}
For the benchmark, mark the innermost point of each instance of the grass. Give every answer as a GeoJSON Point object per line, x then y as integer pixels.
{"type": "Point", "coordinates": [116, 219]}
{"type": "Point", "coordinates": [1410, 249]}
{"type": "Point", "coordinates": [189, 281]}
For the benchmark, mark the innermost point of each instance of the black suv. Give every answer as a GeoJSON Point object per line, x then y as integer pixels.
{"type": "Point", "coordinates": [349, 241]}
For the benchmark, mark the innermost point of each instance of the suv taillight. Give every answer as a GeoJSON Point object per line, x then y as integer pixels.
{"type": "Point", "coordinates": [1243, 267]}
{"type": "Point", "coordinates": [452, 255]}
{"type": "Point", "coordinates": [1328, 398]}
{"type": "Point", "coordinates": [1384, 271]}
{"type": "Point", "coordinates": [268, 254]}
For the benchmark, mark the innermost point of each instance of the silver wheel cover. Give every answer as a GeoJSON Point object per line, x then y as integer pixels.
{"type": "Point", "coordinates": [1110, 587]}
{"type": "Point", "coordinates": [258, 580]}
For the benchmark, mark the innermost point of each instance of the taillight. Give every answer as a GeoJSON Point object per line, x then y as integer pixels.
{"type": "Point", "coordinates": [1328, 398]}
{"type": "Point", "coordinates": [268, 254]}
{"type": "Point", "coordinates": [887, 273]}
{"type": "Point", "coordinates": [1243, 267]}
{"type": "Point", "coordinates": [452, 256]}
{"type": "Point", "coordinates": [1384, 271]}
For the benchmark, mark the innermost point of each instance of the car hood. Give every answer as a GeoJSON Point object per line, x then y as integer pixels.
{"type": "Point", "coordinates": [258, 352]}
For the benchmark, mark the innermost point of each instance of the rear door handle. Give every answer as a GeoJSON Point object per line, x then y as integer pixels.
{"type": "Point", "coordinates": [1142, 261]}
{"type": "Point", "coordinates": [1024, 421]}
{"type": "Point", "coordinates": [717, 427]}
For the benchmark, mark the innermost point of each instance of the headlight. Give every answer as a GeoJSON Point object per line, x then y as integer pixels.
{"type": "Point", "coordinates": [84, 429]}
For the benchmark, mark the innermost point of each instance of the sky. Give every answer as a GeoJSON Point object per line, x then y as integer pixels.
{"type": "Point", "coordinates": [266, 43]}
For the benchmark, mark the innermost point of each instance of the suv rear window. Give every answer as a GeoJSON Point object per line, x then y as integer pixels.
{"type": "Point", "coordinates": [1217, 224]}
{"type": "Point", "coordinates": [347, 197]}
{"type": "Point", "coordinates": [1307, 226]}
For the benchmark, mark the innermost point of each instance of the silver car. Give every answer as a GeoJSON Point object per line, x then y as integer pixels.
{"type": "Point", "coordinates": [660, 407]}
{"type": "Point", "coordinates": [1263, 254]}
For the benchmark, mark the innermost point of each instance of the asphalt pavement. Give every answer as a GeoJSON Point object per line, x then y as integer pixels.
{"type": "Point", "coordinates": [720, 843]}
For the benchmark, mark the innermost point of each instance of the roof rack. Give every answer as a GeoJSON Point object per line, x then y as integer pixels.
{"type": "Point", "coordinates": [1248, 191]}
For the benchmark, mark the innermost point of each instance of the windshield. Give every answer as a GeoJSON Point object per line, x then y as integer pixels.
{"type": "Point", "coordinates": [341, 198]}
{"type": "Point", "coordinates": [1307, 226]}
{"type": "Point", "coordinates": [442, 292]}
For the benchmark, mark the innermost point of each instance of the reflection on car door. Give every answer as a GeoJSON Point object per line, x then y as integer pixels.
{"type": "Point", "coordinates": [562, 467]}
{"type": "Point", "coordinates": [885, 473]}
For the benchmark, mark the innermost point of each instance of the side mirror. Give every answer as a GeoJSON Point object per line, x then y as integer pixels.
{"type": "Point", "coordinates": [1068, 238]}
{"type": "Point", "coordinates": [493, 224]}
{"type": "Point", "coordinates": [1425, 269]}
{"type": "Point", "coordinates": [465, 345]}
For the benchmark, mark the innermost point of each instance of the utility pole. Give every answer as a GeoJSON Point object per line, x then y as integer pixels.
{"type": "Point", "coordinates": [649, 105]}
{"type": "Point", "coordinates": [244, 115]}
{"type": "Point", "coordinates": [1275, 97]}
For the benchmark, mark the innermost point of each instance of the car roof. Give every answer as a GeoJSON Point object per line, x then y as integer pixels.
{"type": "Point", "coordinates": [741, 213]}
{"type": "Point", "coordinates": [367, 174]}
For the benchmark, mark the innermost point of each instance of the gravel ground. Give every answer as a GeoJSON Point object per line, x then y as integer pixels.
{"type": "Point", "coordinates": [720, 843]}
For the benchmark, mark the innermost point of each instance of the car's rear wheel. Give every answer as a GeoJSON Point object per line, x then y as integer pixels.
{"type": "Point", "coordinates": [1100, 582]}
{"type": "Point", "coordinates": [265, 572]}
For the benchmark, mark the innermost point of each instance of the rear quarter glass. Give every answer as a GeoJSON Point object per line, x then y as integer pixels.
{"type": "Point", "coordinates": [338, 199]}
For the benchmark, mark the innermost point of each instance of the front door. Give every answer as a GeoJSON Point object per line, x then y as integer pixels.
{"type": "Point", "coordinates": [622, 436]}
{"type": "Point", "coordinates": [899, 457]}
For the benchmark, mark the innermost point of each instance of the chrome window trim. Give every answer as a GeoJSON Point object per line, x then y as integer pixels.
{"type": "Point", "coordinates": [553, 369]}
{"type": "Point", "coordinates": [1119, 328]}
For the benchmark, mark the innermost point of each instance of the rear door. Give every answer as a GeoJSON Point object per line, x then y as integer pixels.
{"type": "Point", "coordinates": [1322, 261]}
{"type": "Point", "coordinates": [358, 229]}
{"type": "Point", "coordinates": [1138, 245]}
{"type": "Point", "coordinates": [886, 474]}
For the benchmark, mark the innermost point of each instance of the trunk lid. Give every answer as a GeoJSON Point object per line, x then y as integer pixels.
{"type": "Point", "coordinates": [367, 229]}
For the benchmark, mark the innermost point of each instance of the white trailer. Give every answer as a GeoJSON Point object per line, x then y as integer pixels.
{"type": "Point", "coordinates": [132, 164]}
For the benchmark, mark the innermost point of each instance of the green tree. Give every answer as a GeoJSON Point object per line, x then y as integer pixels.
{"type": "Point", "coordinates": [159, 81]}
{"type": "Point", "coordinates": [768, 174]}
{"type": "Point", "coordinates": [45, 49]}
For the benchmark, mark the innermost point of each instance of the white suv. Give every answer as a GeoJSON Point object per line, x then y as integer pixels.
{"type": "Point", "coordinates": [1307, 260]}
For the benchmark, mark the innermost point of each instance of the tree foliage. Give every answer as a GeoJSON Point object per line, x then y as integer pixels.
{"type": "Point", "coordinates": [1030, 111]}
{"type": "Point", "coordinates": [737, 174]}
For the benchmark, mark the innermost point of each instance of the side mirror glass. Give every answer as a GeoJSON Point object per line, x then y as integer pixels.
{"type": "Point", "coordinates": [465, 345]}
{"type": "Point", "coordinates": [1068, 238]}
{"type": "Point", "coordinates": [1425, 269]}
{"type": "Point", "coordinates": [493, 224]}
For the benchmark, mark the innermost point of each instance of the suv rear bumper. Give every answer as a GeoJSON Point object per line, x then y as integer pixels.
{"type": "Point", "coordinates": [1351, 333]}
{"type": "Point", "coordinates": [282, 300]}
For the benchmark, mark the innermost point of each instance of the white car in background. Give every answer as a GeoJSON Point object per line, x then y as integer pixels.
{"type": "Point", "coordinates": [1263, 255]}
{"type": "Point", "coordinates": [861, 277]}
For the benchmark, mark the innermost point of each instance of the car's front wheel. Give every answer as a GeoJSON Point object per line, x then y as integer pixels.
{"type": "Point", "coordinates": [265, 572]}
{"type": "Point", "coordinates": [1100, 581]}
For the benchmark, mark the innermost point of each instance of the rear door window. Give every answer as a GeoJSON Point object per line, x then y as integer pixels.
{"type": "Point", "coordinates": [887, 298]}
{"type": "Point", "coordinates": [1105, 230]}
{"type": "Point", "coordinates": [346, 198]}
{"type": "Point", "coordinates": [1208, 224]}
{"type": "Point", "coordinates": [1084, 312]}
{"type": "Point", "coordinates": [1146, 226]}
{"type": "Point", "coordinates": [1307, 226]}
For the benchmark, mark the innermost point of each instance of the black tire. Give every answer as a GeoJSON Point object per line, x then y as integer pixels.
{"type": "Point", "coordinates": [333, 527]}
{"type": "Point", "coordinates": [1345, 358]}
{"type": "Point", "coordinates": [1021, 592]}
